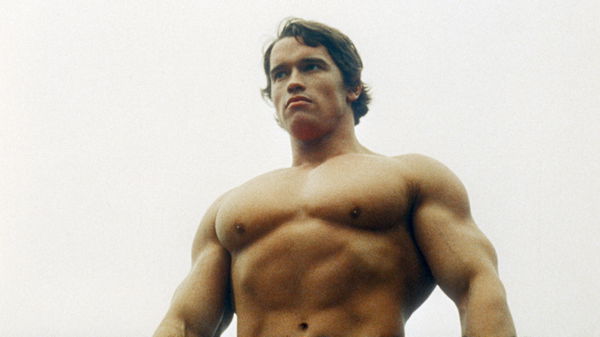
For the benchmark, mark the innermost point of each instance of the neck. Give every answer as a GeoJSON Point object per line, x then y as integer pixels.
{"type": "Point", "coordinates": [314, 152]}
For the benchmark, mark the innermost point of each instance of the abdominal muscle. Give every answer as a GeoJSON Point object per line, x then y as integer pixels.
{"type": "Point", "coordinates": [314, 278]}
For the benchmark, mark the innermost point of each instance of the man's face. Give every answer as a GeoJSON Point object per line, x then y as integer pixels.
{"type": "Point", "coordinates": [307, 89]}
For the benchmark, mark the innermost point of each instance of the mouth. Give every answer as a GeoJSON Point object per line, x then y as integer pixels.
{"type": "Point", "coordinates": [297, 100]}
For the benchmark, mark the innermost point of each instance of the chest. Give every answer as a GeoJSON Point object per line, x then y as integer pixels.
{"type": "Point", "coordinates": [359, 197]}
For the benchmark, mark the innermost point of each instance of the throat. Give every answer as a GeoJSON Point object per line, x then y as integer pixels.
{"type": "Point", "coordinates": [306, 131]}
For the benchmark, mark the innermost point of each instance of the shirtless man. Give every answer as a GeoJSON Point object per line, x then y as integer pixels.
{"type": "Point", "coordinates": [346, 242]}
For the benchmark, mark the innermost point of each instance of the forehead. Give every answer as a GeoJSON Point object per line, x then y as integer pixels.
{"type": "Point", "coordinates": [289, 50]}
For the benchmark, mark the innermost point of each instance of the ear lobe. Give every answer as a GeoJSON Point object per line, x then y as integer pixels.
{"type": "Point", "coordinates": [354, 94]}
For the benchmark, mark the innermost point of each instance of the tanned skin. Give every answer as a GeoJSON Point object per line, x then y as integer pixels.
{"type": "Point", "coordinates": [345, 242]}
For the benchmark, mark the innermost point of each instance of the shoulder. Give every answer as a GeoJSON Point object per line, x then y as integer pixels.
{"type": "Point", "coordinates": [421, 163]}
{"type": "Point", "coordinates": [206, 233]}
{"type": "Point", "coordinates": [265, 185]}
{"type": "Point", "coordinates": [281, 173]}
{"type": "Point", "coordinates": [426, 170]}
{"type": "Point", "coordinates": [257, 180]}
{"type": "Point", "coordinates": [433, 181]}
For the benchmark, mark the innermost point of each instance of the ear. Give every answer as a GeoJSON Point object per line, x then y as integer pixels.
{"type": "Point", "coordinates": [354, 94]}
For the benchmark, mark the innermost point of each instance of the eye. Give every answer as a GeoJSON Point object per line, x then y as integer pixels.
{"type": "Point", "coordinates": [312, 66]}
{"type": "Point", "coordinates": [278, 75]}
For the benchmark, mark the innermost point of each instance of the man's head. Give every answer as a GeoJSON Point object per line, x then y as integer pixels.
{"type": "Point", "coordinates": [339, 47]}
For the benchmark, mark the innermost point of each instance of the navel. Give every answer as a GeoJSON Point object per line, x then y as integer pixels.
{"type": "Point", "coordinates": [239, 228]}
{"type": "Point", "coordinates": [355, 213]}
{"type": "Point", "coordinates": [303, 326]}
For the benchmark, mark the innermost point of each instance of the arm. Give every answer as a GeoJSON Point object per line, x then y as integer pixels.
{"type": "Point", "coordinates": [201, 306]}
{"type": "Point", "coordinates": [461, 258]}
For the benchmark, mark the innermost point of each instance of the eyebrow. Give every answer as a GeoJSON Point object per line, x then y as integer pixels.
{"type": "Point", "coordinates": [313, 60]}
{"type": "Point", "coordinates": [305, 60]}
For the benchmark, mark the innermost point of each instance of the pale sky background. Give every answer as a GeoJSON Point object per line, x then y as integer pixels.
{"type": "Point", "coordinates": [121, 121]}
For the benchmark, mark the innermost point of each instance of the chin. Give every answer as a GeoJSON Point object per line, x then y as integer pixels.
{"type": "Point", "coordinates": [305, 126]}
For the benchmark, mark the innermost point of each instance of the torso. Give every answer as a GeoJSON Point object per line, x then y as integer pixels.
{"type": "Point", "coordinates": [325, 251]}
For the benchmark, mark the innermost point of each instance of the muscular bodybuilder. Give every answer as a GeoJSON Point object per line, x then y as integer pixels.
{"type": "Point", "coordinates": [344, 243]}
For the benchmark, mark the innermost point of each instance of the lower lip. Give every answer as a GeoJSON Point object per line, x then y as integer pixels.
{"type": "Point", "coordinates": [297, 103]}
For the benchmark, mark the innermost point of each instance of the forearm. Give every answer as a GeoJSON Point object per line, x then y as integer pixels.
{"type": "Point", "coordinates": [484, 311]}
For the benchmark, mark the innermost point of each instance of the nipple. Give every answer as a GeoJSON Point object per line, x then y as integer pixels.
{"type": "Point", "coordinates": [239, 228]}
{"type": "Point", "coordinates": [355, 213]}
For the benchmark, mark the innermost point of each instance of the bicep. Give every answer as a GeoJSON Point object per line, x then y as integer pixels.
{"type": "Point", "coordinates": [454, 247]}
{"type": "Point", "coordinates": [201, 300]}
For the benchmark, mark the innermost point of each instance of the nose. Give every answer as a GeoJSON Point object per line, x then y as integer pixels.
{"type": "Point", "coordinates": [295, 83]}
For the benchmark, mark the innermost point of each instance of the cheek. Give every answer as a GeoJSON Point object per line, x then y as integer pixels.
{"type": "Point", "coordinates": [275, 93]}
{"type": "Point", "coordinates": [275, 97]}
{"type": "Point", "coordinates": [331, 89]}
{"type": "Point", "coordinates": [277, 100]}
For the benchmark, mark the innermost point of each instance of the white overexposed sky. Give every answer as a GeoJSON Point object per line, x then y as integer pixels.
{"type": "Point", "coordinates": [121, 121]}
